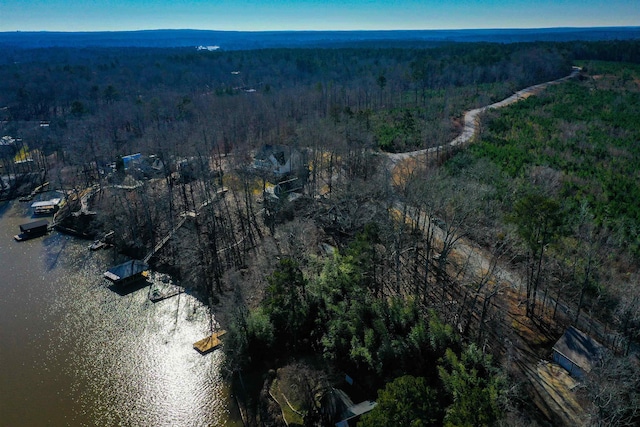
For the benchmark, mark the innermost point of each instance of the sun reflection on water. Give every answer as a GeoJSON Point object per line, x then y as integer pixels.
{"type": "Point", "coordinates": [131, 361]}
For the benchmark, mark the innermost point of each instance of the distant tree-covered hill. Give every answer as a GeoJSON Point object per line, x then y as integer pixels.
{"type": "Point", "coordinates": [239, 40]}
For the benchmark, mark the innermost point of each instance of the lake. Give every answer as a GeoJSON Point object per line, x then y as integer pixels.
{"type": "Point", "coordinates": [74, 352]}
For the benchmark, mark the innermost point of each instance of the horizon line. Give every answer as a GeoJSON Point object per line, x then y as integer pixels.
{"type": "Point", "coordinates": [327, 30]}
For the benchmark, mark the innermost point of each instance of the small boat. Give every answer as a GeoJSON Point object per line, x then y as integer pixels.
{"type": "Point", "coordinates": [97, 244]}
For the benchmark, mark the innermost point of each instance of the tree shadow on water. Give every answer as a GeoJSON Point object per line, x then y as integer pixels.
{"type": "Point", "coordinates": [4, 207]}
{"type": "Point", "coordinates": [129, 288]}
{"type": "Point", "coordinates": [54, 245]}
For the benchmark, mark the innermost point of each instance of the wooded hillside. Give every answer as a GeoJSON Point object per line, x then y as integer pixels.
{"type": "Point", "coordinates": [435, 285]}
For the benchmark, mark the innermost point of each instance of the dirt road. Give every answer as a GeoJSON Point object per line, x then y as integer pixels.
{"type": "Point", "coordinates": [471, 118]}
{"type": "Point", "coordinates": [550, 387]}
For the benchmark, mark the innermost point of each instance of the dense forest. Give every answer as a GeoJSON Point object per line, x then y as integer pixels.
{"type": "Point", "coordinates": [435, 285]}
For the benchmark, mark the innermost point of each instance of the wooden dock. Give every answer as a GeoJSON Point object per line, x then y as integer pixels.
{"type": "Point", "coordinates": [38, 189]}
{"type": "Point", "coordinates": [209, 343]}
{"type": "Point", "coordinates": [166, 238]}
{"type": "Point", "coordinates": [184, 216]}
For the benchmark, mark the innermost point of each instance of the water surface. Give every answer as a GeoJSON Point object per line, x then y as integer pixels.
{"type": "Point", "coordinates": [74, 352]}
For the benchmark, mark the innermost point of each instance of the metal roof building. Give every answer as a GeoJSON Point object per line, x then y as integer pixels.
{"type": "Point", "coordinates": [577, 352]}
{"type": "Point", "coordinates": [127, 272]}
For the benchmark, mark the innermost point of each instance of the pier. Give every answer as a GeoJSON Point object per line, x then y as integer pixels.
{"type": "Point", "coordinates": [46, 207]}
{"type": "Point", "coordinates": [38, 189]}
{"type": "Point", "coordinates": [165, 239]}
{"type": "Point", "coordinates": [184, 216]}
{"type": "Point", "coordinates": [105, 242]}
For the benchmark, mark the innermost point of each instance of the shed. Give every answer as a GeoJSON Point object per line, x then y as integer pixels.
{"type": "Point", "coordinates": [127, 272]}
{"type": "Point", "coordinates": [577, 352]}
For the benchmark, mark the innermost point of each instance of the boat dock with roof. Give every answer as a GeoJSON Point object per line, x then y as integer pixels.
{"type": "Point", "coordinates": [128, 272]}
{"type": "Point", "coordinates": [46, 207]}
{"type": "Point", "coordinates": [32, 229]}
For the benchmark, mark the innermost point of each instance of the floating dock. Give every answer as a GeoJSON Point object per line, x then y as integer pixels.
{"type": "Point", "coordinates": [105, 242]}
{"type": "Point", "coordinates": [97, 245]}
{"type": "Point", "coordinates": [162, 286]}
{"type": "Point", "coordinates": [209, 343]}
{"type": "Point", "coordinates": [159, 295]}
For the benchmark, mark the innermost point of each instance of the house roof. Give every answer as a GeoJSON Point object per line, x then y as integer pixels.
{"type": "Point", "coordinates": [130, 157]}
{"type": "Point", "coordinates": [7, 140]}
{"type": "Point", "coordinates": [579, 348]}
{"type": "Point", "coordinates": [357, 410]}
{"type": "Point", "coordinates": [274, 152]}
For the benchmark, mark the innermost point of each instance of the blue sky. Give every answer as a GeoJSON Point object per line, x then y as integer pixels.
{"type": "Point", "coordinates": [114, 15]}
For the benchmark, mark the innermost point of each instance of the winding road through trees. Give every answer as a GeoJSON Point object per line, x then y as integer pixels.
{"type": "Point", "coordinates": [471, 118]}
{"type": "Point", "coordinates": [554, 398]}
